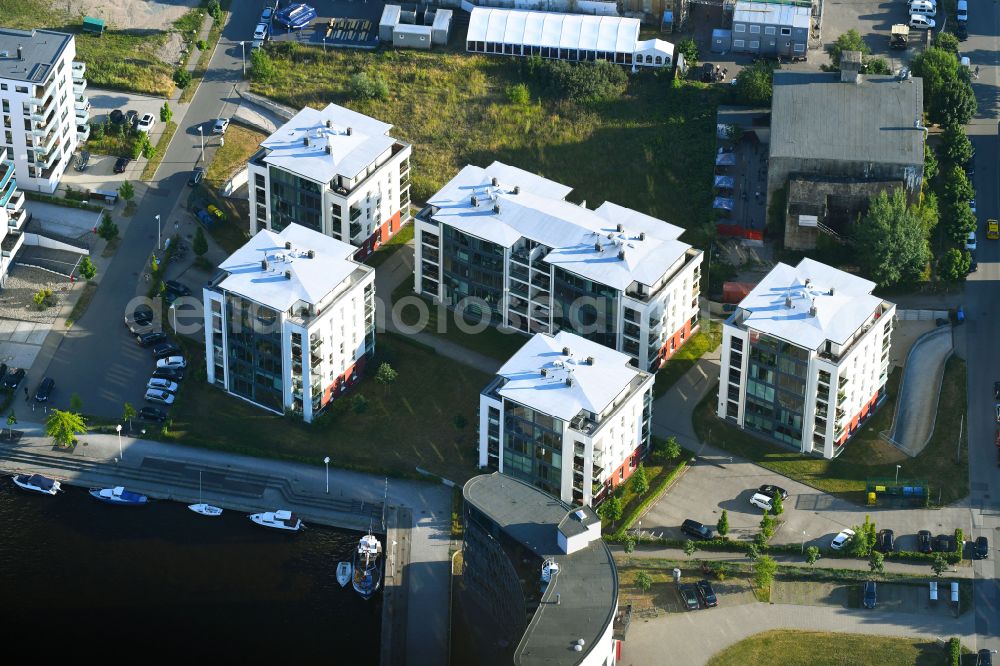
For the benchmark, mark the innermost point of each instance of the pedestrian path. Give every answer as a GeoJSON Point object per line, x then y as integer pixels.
{"type": "Point", "coordinates": [920, 390]}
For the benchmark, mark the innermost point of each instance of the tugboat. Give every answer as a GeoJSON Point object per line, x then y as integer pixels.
{"type": "Point", "coordinates": [279, 520]}
{"type": "Point", "coordinates": [118, 495]}
{"type": "Point", "coordinates": [37, 483]}
{"type": "Point", "coordinates": [367, 566]}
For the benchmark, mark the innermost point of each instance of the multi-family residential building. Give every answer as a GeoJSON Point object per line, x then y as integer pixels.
{"type": "Point", "coordinates": [44, 105]}
{"type": "Point", "coordinates": [805, 357]}
{"type": "Point", "coordinates": [567, 415]}
{"type": "Point", "coordinates": [503, 245]}
{"type": "Point", "coordinates": [334, 171]}
{"type": "Point", "coordinates": [289, 320]}
{"type": "Point", "coordinates": [12, 214]}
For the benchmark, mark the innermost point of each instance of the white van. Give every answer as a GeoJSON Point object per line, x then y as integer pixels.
{"type": "Point", "coordinates": [963, 11]}
{"type": "Point", "coordinates": [921, 22]}
{"type": "Point", "coordinates": [922, 7]}
{"type": "Point", "coordinates": [761, 501]}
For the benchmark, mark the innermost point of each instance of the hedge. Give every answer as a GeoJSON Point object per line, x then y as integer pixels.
{"type": "Point", "coordinates": [59, 201]}
{"type": "Point", "coordinates": [652, 495]}
{"type": "Point", "coordinates": [955, 648]}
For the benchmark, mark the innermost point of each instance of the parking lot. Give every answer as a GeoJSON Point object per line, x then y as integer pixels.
{"type": "Point", "coordinates": [337, 23]}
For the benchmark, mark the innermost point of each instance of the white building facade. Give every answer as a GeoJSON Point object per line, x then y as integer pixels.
{"type": "Point", "coordinates": [13, 216]}
{"type": "Point", "coordinates": [290, 321]}
{"type": "Point", "coordinates": [503, 245]}
{"type": "Point", "coordinates": [44, 105]}
{"type": "Point", "coordinates": [805, 357]}
{"type": "Point", "coordinates": [567, 415]}
{"type": "Point", "coordinates": [336, 172]}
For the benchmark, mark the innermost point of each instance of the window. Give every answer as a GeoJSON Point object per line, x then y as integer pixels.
{"type": "Point", "coordinates": [21, 89]}
{"type": "Point", "coordinates": [800, 48]}
{"type": "Point", "coordinates": [755, 30]}
{"type": "Point", "coordinates": [738, 43]}
{"type": "Point", "coordinates": [786, 31]}
{"type": "Point", "coordinates": [755, 44]}
{"type": "Point", "coordinates": [739, 27]}
{"type": "Point", "coordinates": [769, 30]}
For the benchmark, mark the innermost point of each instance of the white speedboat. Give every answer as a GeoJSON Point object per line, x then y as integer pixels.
{"type": "Point", "coordinates": [280, 520]}
{"type": "Point", "coordinates": [344, 573]}
{"type": "Point", "coordinates": [205, 509]}
{"type": "Point", "coordinates": [37, 483]}
{"type": "Point", "coordinates": [118, 495]}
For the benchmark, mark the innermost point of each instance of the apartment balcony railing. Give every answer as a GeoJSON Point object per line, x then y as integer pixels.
{"type": "Point", "coordinates": [82, 132]}
{"type": "Point", "coordinates": [79, 69]}
{"type": "Point", "coordinates": [11, 244]}
{"type": "Point", "coordinates": [81, 103]}
{"type": "Point", "coordinates": [79, 86]}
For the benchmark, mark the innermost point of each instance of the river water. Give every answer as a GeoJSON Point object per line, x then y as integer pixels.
{"type": "Point", "coordinates": [80, 578]}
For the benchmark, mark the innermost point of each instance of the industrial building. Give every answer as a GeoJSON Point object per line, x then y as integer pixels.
{"type": "Point", "coordinates": [414, 26]}
{"type": "Point", "coordinates": [772, 28]}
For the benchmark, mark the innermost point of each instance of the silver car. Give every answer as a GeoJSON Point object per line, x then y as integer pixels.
{"type": "Point", "coordinates": [162, 397]}
{"type": "Point", "coordinates": [161, 384]}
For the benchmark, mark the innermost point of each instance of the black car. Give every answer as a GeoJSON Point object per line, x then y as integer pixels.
{"type": "Point", "coordinates": [943, 543]}
{"type": "Point", "coordinates": [196, 176]}
{"type": "Point", "coordinates": [151, 338]}
{"type": "Point", "coordinates": [45, 389]}
{"type": "Point", "coordinates": [689, 596]}
{"type": "Point", "coordinates": [117, 117]}
{"type": "Point", "coordinates": [885, 542]}
{"type": "Point", "coordinates": [982, 548]}
{"type": "Point", "coordinates": [152, 414]}
{"type": "Point", "coordinates": [177, 288]}
{"type": "Point", "coordinates": [141, 316]}
{"type": "Point", "coordinates": [132, 117]}
{"type": "Point", "coordinates": [707, 594]}
{"type": "Point", "coordinates": [3, 371]}
{"type": "Point", "coordinates": [173, 374]}
{"type": "Point", "coordinates": [165, 349]}
{"type": "Point", "coordinates": [924, 541]}
{"type": "Point", "coordinates": [696, 529]}
{"type": "Point", "coordinates": [121, 164]}
{"type": "Point", "coordinates": [83, 161]}
{"type": "Point", "coordinates": [870, 594]}
{"type": "Point", "coordinates": [961, 30]}
{"type": "Point", "coordinates": [14, 378]}
{"type": "Point", "coordinates": [996, 390]}
{"type": "Point", "coordinates": [773, 491]}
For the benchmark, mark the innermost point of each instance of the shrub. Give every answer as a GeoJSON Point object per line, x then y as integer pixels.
{"type": "Point", "coordinates": [955, 651]}
{"type": "Point", "coordinates": [43, 298]}
{"type": "Point", "coordinates": [365, 86]}
{"type": "Point", "coordinates": [812, 554]}
{"type": "Point", "coordinates": [200, 243]}
{"type": "Point", "coordinates": [639, 480]}
{"type": "Point", "coordinates": [359, 404]}
{"type": "Point", "coordinates": [723, 525]}
{"type": "Point", "coordinates": [518, 94]}
{"type": "Point", "coordinates": [628, 543]}
{"type": "Point", "coordinates": [182, 77]}
{"type": "Point", "coordinates": [166, 113]}
{"type": "Point", "coordinates": [592, 82]}
{"type": "Point", "coordinates": [148, 149]}
{"type": "Point", "coordinates": [201, 44]}
{"type": "Point", "coordinates": [97, 131]}
{"type": "Point", "coordinates": [690, 547]}
{"type": "Point", "coordinates": [87, 268]}
{"type": "Point", "coordinates": [643, 581]}
{"type": "Point", "coordinates": [107, 229]}
{"type": "Point", "coordinates": [689, 48]}
{"type": "Point", "coordinates": [261, 66]}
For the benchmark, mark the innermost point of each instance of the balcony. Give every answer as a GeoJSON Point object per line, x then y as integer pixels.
{"type": "Point", "coordinates": [79, 87]}
{"type": "Point", "coordinates": [82, 115]}
{"type": "Point", "coordinates": [79, 69]}
{"type": "Point", "coordinates": [16, 202]}
{"type": "Point", "coordinates": [82, 132]}
{"type": "Point", "coordinates": [81, 103]}
{"type": "Point", "coordinates": [11, 244]}
{"type": "Point", "coordinates": [583, 422]}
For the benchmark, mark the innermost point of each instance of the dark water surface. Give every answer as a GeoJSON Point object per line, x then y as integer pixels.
{"type": "Point", "coordinates": [79, 578]}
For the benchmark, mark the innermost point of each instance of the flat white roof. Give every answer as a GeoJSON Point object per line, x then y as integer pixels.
{"type": "Point", "coordinates": [568, 31]}
{"type": "Point", "coordinates": [593, 387]}
{"type": "Point", "coordinates": [442, 19]}
{"type": "Point", "coordinates": [771, 14]}
{"type": "Point", "coordinates": [309, 279]}
{"type": "Point", "coordinates": [390, 15]}
{"type": "Point", "coordinates": [655, 46]}
{"type": "Point", "coordinates": [540, 212]}
{"type": "Point", "coordinates": [349, 154]}
{"type": "Point", "coordinates": [838, 314]}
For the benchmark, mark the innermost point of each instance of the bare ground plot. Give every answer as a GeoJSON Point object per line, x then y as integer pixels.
{"type": "Point", "coordinates": [129, 14]}
{"type": "Point", "coordinates": [23, 282]}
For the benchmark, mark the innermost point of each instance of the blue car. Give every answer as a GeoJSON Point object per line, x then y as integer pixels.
{"type": "Point", "coordinates": [205, 217]}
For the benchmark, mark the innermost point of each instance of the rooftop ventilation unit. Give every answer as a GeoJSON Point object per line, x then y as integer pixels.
{"type": "Point", "coordinates": [517, 189]}
{"type": "Point", "coordinates": [305, 141]}
{"type": "Point", "coordinates": [350, 131]}
{"type": "Point", "coordinates": [590, 360]}
{"type": "Point", "coordinates": [496, 208]}
{"type": "Point", "coordinates": [621, 254]}
{"type": "Point", "coordinates": [288, 275]}
{"type": "Point", "coordinates": [812, 310]}
{"type": "Point", "coordinates": [20, 52]}
{"type": "Point", "coordinates": [565, 351]}
{"type": "Point", "coordinates": [495, 181]}
{"type": "Point", "coordinates": [620, 228]}
{"type": "Point", "coordinates": [311, 254]}
{"type": "Point", "coordinates": [597, 246]}
{"type": "Point", "coordinates": [329, 123]}
{"type": "Point", "coordinates": [642, 235]}
{"type": "Point", "coordinates": [808, 282]}
{"type": "Point", "coordinates": [788, 301]}
{"type": "Point", "coordinates": [263, 264]}
{"type": "Point", "coordinates": [833, 290]}
{"type": "Point", "coordinates": [288, 245]}
{"type": "Point", "coordinates": [475, 201]}
{"type": "Point", "coordinates": [569, 381]}
{"type": "Point", "coordinates": [329, 149]}
{"type": "Point", "coordinates": [545, 373]}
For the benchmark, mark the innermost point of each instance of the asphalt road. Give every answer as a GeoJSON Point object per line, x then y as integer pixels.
{"type": "Point", "coordinates": [97, 358]}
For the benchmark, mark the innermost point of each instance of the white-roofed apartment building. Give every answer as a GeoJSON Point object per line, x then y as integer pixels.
{"type": "Point", "coordinates": [334, 171]}
{"type": "Point", "coordinates": [805, 357]}
{"type": "Point", "coordinates": [568, 416]}
{"type": "Point", "coordinates": [289, 320]}
{"type": "Point", "coordinates": [503, 245]}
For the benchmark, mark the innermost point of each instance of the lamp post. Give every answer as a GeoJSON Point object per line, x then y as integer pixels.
{"type": "Point", "coordinates": [243, 47]}
{"type": "Point", "coordinates": [121, 455]}
{"type": "Point", "coordinates": [201, 133]}
{"type": "Point", "coordinates": [897, 473]}
{"type": "Point", "coordinates": [803, 542]}
{"type": "Point", "coordinates": [157, 232]}
{"type": "Point", "coordinates": [326, 461]}
{"type": "Point", "coordinates": [173, 312]}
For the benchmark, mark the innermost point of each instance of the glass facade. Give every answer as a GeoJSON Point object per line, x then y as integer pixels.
{"type": "Point", "coordinates": [254, 352]}
{"type": "Point", "coordinates": [532, 447]}
{"type": "Point", "coordinates": [472, 267]}
{"type": "Point", "coordinates": [295, 199]}
{"type": "Point", "coordinates": [775, 389]}
{"type": "Point", "coordinates": [586, 308]}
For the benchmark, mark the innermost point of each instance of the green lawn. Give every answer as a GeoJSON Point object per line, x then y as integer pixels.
{"type": "Point", "coordinates": [650, 150]}
{"type": "Point", "coordinates": [395, 244]}
{"type": "Point", "coordinates": [409, 424]}
{"type": "Point", "coordinates": [702, 342]}
{"type": "Point", "coordinates": [867, 455]}
{"type": "Point", "coordinates": [802, 648]}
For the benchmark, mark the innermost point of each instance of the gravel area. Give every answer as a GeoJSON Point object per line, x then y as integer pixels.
{"type": "Point", "coordinates": [129, 14]}
{"type": "Point", "coordinates": [22, 284]}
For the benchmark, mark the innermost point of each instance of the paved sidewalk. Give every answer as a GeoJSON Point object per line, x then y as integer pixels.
{"type": "Point", "coordinates": [672, 411]}
{"type": "Point", "coordinates": [916, 406]}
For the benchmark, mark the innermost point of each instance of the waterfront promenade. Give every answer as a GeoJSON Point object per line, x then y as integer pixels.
{"type": "Point", "coordinates": [419, 560]}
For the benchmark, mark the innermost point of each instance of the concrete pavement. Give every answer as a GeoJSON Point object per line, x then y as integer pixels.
{"type": "Point", "coordinates": [916, 406]}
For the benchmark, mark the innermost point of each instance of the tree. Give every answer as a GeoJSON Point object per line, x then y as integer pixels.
{"type": "Point", "coordinates": [723, 525]}
{"type": "Point", "coordinates": [63, 427]}
{"type": "Point", "coordinates": [386, 375]}
{"type": "Point", "coordinates": [954, 265]}
{"type": "Point", "coordinates": [953, 104]}
{"type": "Point", "coordinates": [864, 538]}
{"type": "Point", "coordinates": [359, 404]}
{"type": "Point", "coordinates": [764, 570]}
{"type": "Point", "coordinates": [262, 68]}
{"type": "Point", "coordinates": [87, 268]}
{"type": "Point", "coordinates": [812, 554]}
{"type": "Point", "coordinates": [148, 149]}
{"type": "Point", "coordinates": [668, 448]}
{"type": "Point", "coordinates": [611, 509]}
{"type": "Point", "coordinates": [959, 220]}
{"type": "Point", "coordinates": [878, 65]}
{"type": "Point", "coordinates": [930, 164]}
{"type": "Point", "coordinates": [166, 114]}
{"type": "Point", "coordinates": [128, 413]}
{"type": "Point", "coordinates": [182, 77]}
{"type": "Point", "coordinates": [946, 41]}
{"type": "Point", "coordinates": [849, 41]}
{"type": "Point", "coordinates": [777, 505]}
{"type": "Point", "coordinates": [936, 66]}
{"type": "Point", "coordinates": [11, 422]}
{"type": "Point", "coordinates": [690, 547]}
{"type": "Point", "coordinates": [753, 552]}
{"type": "Point", "coordinates": [639, 480]}
{"type": "Point", "coordinates": [97, 131]}
{"type": "Point", "coordinates": [76, 403]}
{"type": "Point", "coordinates": [889, 242]}
{"type": "Point", "coordinates": [955, 145]}
{"type": "Point", "coordinates": [107, 229]}
{"type": "Point", "coordinates": [876, 563]}
{"type": "Point", "coordinates": [643, 581]}
{"type": "Point", "coordinates": [200, 243]}
{"type": "Point", "coordinates": [126, 191]}
{"type": "Point", "coordinates": [689, 48]}
{"type": "Point", "coordinates": [628, 543]}
{"type": "Point", "coordinates": [768, 524]}
{"type": "Point", "coordinates": [754, 85]}
{"type": "Point", "coordinates": [939, 564]}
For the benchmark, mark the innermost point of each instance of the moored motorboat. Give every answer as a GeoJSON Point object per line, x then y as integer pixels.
{"type": "Point", "coordinates": [367, 576]}
{"type": "Point", "coordinates": [344, 573]}
{"type": "Point", "coordinates": [37, 483]}
{"type": "Point", "coordinates": [281, 520]}
{"type": "Point", "coordinates": [118, 495]}
{"type": "Point", "coordinates": [205, 509]}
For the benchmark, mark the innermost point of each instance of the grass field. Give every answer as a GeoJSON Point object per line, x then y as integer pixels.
{"type": "Point", "coordinates": [153, 164]}
{"type": "Point", "coordinates": [409, 424]}
{"type": "Point", "coordinates": [867, 455]}
{"type": "Point", "coordinates": [650, 150]}
{"type": "Point", "coordinates": [805, 648]}
{"type": "Point", "coordinates": [241, 143]}
{"type": "Point", "coordinates": [702, 342]}
{"type": "Point", "coordinates": [395, 244]}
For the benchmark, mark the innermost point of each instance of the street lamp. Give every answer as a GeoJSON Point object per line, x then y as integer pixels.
{"type": "Point", "coordinates": [157, 232]}
{"type": "Point", "coordinates": [121, 455]}
{"type": "Point", "coordinates": [897, 473]}
{"type": "Point", "coordinates": [201, 133]}
{"type": "Point", "coordinates": [804, 535]}
{"type": "Point", "coordinates": [326, 461]}
{"type": "Point", "coordinates": [173, 311]}
{"type": "Point", "coordinates": [243, 46]}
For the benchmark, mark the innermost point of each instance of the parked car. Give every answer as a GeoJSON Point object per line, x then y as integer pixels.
{"type": "Point", "coordinates": [972, 205]}
{"type": "Point", "coordinates": [116, 117]}
{"type": "Point", "coordinates": [984, 657]}
{"type": "Point", "coordinates": [173, 374]}
{"type": "Point", "coordinates": [197, 175]}
{"type": "Point", "coordinates": [773, 491]}
{"type": "Point", "coordinates": [162, 385]}
{"type": "Point", "coordinates": [45, 389]}
{"type": "Point", "coordinates": [205, 217]}
{"type": "Point", "coordinates": [162, 397]}
{"type": "Point", "coordinates": [943, 543]}
{"type": "Point", "coordinates": [761, 501]}
{"type": "Point", "coordinates": [13, 378]}
{"type": "Point", "coordinates": [265, 16]}
{"type": "Point", "coordinates": [139, 320]}
{"type": "Point", "coordinates": [689, 596]}
{"type": "Point", "coordinates": [146, 123]}
{"type": "Point", "coordinates": [165, 349]}
{"type": "Point", "coordinates": [841, 539]}
{"type": "Point", "coordinates": [707, 594]}
{"type": "Point", "coordinates": [83, 161]}
{"type": "Point", "coordinates": [961, 30]}
{"type": "Point", "coordinates": [152, 414]}
{"type": "Point", "coordinates": [982, 549]}
{"type": "Point", "coordinates": [921, 22]}
{"type": "Point", "coordinates": [220, 126]}
{"type": "Point", "coordinates": [151, 338]}
{"type": "Point", "coordinates": [970, 242]}
{"type": "Point", "coordinates": [121, 164]}
{"type": "Point", "coordinates": [177, 288]}
{"type": "Point", "coordinates": [924, 541]}
{"type": "Point", "coordinates": [996, 408]}
{"type": "Point", "coordinates": [260, 32]}
{"type": "Point", "coordinates": [962, 13]}
{"type": "Point", "coordinates": [996, 390]}
{"type": "Point", "coordinates": [885, 541]}
{"type": "Point", "coordinates": [172, 362]}
{"type": "Point", "coordinates": [131, 117]}
{"type": "Point", "coordinates": [215, 212]}
{"type": "Point", "coordinates": [870, 594]}
{"type": "Point", "coordinates": [696, 529]}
